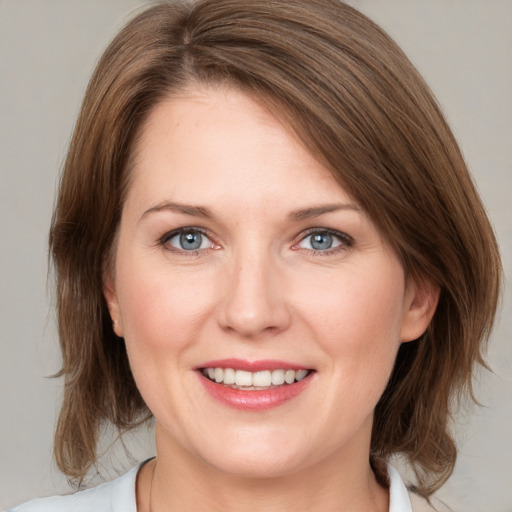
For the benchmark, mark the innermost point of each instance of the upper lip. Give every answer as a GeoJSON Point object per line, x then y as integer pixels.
{"type": "Point", "coordinates": [252, 366]}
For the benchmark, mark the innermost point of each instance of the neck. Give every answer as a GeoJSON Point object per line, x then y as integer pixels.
{"type": "Point", "coordinates": [341, 482]}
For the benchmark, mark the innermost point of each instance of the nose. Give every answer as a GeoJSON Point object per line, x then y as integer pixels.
{"type": "Point", "coordinates": [255, 301]}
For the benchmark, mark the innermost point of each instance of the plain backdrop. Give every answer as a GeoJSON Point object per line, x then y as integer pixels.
{"type": "Point", "coordinates": [48, 49]}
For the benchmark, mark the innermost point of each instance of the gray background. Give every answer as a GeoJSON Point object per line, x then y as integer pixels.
{"type": "Point", "coordinates": [47, 51]}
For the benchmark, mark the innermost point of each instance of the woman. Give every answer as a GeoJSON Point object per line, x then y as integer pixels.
{"type": "Point", "coordinates": [267, 239]}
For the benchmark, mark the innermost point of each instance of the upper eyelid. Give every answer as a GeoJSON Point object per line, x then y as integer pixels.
{"type": "Point", "coordinates": [335, 232]}
{"type": "Point", "coordinates": [164, 240]}
{"type": "Point", "coordinates": [173, 232]}
{"type": "Point", "coordinates": [344, 237]}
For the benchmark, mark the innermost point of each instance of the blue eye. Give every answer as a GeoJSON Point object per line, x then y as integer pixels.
{"type": "Point", "coordinates": [323, 241]}
{"type": "Point", "coordinates": [187, 240]}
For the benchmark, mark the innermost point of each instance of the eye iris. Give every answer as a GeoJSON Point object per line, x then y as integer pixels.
{"type": "Point", "coordinates": [321, 241]}
{"type": "Point", "coordinates": [191, 240]}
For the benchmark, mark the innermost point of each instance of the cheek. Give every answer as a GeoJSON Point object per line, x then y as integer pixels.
{"type": "Point", "coordinates": [356, 316]}
{"type": "Point", "coordinates": [162, 313]}
{"type": "Point", "coordinates": [357, 326]}
{"type": "Point", "coordinates": [160, 308]}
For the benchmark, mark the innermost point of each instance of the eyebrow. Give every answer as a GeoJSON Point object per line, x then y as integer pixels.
{"type": "Point", "coordinates": [316, 211]}
{"type": "Point", "coordinates": [187, 209]}
{"type": "Point", "coordinates": [294, 216]}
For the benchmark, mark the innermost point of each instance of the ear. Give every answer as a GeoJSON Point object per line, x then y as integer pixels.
{"type": "Point", "coordinates": [421, 298]}
{"type": "Point", "coordinates": [110, 294]}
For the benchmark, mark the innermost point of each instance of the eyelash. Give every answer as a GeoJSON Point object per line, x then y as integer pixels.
{"type": "Point", "coordinates": [182, 252]}
{"type": "Point", "coordinates": [346, 241]}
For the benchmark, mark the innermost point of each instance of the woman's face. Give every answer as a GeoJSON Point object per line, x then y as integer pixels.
{"type": "Point", "coordinates": [240, 259]}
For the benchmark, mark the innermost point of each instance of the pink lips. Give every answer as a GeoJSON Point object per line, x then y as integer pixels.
{"type": "Point", "coordinates": [252, 366]}
{"type": "Point", "coordinates": [255, 400]}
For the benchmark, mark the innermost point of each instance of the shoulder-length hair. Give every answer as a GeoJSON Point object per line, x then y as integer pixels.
{"type": "Point", "coordinates": [357, 103]}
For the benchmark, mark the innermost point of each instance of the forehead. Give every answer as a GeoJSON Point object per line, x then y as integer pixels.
{"type": "Point", "coordinates": [212, 142]}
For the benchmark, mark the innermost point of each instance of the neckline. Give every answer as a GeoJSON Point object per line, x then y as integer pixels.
{"type": "Point", "coordinates": [399, 500]}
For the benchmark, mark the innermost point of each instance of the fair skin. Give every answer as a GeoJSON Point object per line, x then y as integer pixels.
{"type": "Point", "coordinates": [236, 244]}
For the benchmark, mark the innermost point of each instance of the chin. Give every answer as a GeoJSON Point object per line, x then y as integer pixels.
{"type": "Point", "coordinates": [258, 461]}
{"type": "Point", "coordinates": [258, 467]}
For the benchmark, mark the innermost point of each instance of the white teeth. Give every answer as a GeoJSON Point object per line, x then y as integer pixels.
{"type": "Point", "coordinates": [299, 375]}
{"type": "Point", "coordinates": [278, 377]}
{"type": "Point", "coordinates": [243, 378]}
{"type": "Point", "coordinates": [219, 374]}
{"type": "Point", "coordinates": [229, 376]}
{"type": "Point", "coordinates": [262, 379]}
{"type": "Point", "coordinates": [289, 376]}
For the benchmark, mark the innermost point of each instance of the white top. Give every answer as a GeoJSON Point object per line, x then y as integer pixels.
{"type": "Point", "coordinates": [119, 496]}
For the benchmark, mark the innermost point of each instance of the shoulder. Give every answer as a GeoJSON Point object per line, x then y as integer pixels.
{"type": "Point", "coordinates": [115, 496]}
{"type": "Point", "coordinates": [402, 499]}
{"type": "Point", "coordinates": [420, 504]}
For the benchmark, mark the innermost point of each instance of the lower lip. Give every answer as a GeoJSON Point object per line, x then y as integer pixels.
{"type": "Point", "coordinates": [256, 400]}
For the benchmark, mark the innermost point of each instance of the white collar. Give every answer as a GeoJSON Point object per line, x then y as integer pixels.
{"type": "Point", "coordinates": [119, 496]}
{"type": "Point", "coordinates": [399, 500]}
{"type": "Point", "coordinates": [398, 494]}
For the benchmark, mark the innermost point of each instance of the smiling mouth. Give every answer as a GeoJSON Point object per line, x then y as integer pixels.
{"type": "Point", "coordinates": [254, 381]}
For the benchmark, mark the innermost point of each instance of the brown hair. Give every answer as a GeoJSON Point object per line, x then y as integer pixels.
{"type": "Point", "coordinates": [358, 104]}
